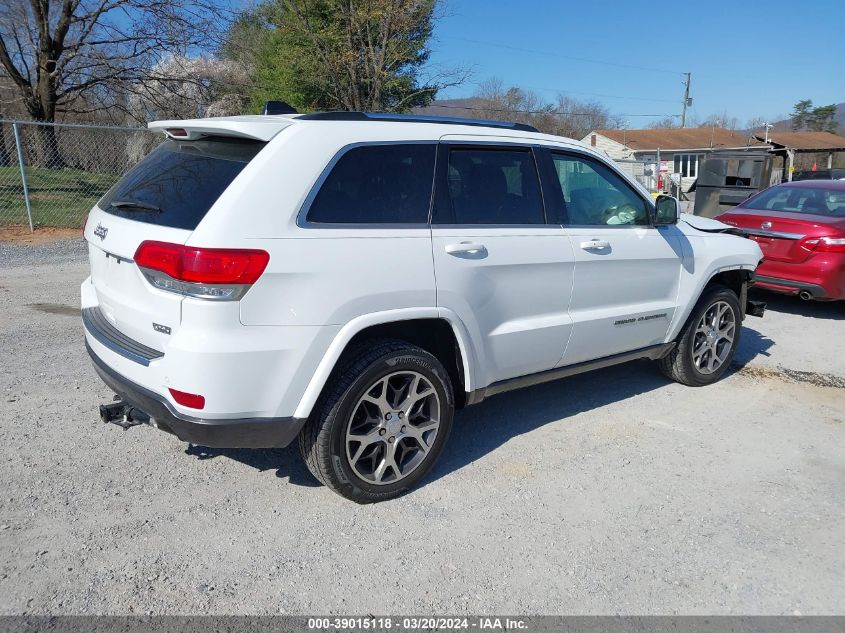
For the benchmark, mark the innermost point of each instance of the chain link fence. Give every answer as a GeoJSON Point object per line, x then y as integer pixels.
{"type": "Point", "coordinates": [641, 171]}
{"type": "Point", "coordinates": [52, 174]}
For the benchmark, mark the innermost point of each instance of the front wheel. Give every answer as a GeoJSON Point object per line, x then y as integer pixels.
{"type": "Point", "coordinates": [381, 423]}
{"type": "Point", "coordinates": [708, 342]}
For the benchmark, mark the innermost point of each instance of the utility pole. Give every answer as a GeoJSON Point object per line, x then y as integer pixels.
{"type": "Point", "coordinates": [687, 100]}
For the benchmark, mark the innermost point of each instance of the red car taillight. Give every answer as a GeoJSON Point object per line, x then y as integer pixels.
{"type": "Point", "coordinates": [211, 273]}
{"type": "Point", "coordinates": [827, 244]}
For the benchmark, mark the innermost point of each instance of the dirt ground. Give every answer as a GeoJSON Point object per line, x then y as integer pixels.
{"type": "Point", "coordinates": [615, 492]}
{"type": "Point", "coordinates": [23, 235]}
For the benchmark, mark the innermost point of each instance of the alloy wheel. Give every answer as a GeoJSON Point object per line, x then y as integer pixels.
{"type": "Point", "coordinates": [392, 428]}
{"type": "Point", "coordinates": [714, 337]}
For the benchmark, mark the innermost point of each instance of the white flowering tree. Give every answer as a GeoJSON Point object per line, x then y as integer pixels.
{"type": "Point", "coordinates": [181, 87]}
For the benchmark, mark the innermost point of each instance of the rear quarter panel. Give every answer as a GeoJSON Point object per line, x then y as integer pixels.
{"type": "Point", "coordinates": [317, 275]}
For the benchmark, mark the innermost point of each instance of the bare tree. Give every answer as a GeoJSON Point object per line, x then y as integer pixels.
{"type": "Point", "coordinates": [723, 120]}
{"type": "Point", "coordinates": [576, 118]}
{"type": "Point", "coordinates": [78, 56]}
{"type": "Point", "coordinates": [667, 122]}
{"type": "Point", "coordinates": [566, 117]}
{"type": "Point", "coordinates": [756, 123]}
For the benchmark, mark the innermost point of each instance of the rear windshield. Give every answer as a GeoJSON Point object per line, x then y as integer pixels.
{"type": "Point", "coordinates": [176, 184]}
{"type": "Point", "coordinates": [814, 200]}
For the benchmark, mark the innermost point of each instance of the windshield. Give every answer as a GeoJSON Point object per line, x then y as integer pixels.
{"type": "Point", "coordinates": [179, 181]}
{"type": "Point", "coordinates": [815, 200]}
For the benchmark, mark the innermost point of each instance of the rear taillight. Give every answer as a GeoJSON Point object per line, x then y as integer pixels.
{"type": "Point", "coordinates": [827, 244]}
{"type": "Point", "coordinates": [192, 400]}
{"type": "Point", "coordinates": [209, 273]}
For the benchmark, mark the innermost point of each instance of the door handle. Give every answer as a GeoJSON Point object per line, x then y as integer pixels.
{"type": "Point", "coordinates": [595, 245]}
{"type": "Point", "coordinates": [465, 247]}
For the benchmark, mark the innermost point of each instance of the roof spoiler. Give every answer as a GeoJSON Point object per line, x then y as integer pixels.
{"type": "Point", "coordinates": [256, 128]}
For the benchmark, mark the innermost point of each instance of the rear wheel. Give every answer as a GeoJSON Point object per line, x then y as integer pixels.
{"type": "Point", "coordinates": [381, 422]}
{"type": "Point", "coordinates": [708, 342]}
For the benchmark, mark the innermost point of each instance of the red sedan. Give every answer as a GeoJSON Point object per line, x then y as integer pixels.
{"type": "Point", "coordinates": [800, 227]}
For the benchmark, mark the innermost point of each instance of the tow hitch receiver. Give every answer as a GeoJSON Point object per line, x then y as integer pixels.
{"type": "Point", "coordinates": [755, 308]}
{"type": "Point", "coordinates": [122, 415]}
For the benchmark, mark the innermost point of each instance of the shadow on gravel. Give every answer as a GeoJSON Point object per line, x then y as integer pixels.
{"type": "Point", "coordinates": [481, 429]}
{"type": "Point", "coordinates": [788, 304]}
{"type": "Point", "coordinates": [285, 461]}
{"type": "Point", "coordinates": [751, 345]}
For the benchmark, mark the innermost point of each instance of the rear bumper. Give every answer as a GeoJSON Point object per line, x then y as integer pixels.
{"type": "Point", "coordinates": [822, 275]}
{"type": "Point", "coordinates": [232, 433]}
{"type": "Point", "coordinates": [789, 286]}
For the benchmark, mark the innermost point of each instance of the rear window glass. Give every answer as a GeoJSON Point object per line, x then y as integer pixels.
{"type": "Point", "coordinates": [813, 200]}
{"type": "Point", "coordinates": [179, 181]}
{"type": "Point", "coordinates": [377, 184]}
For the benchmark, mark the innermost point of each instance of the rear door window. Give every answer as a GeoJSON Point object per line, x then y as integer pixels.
{"type": "Point", "coordinates": [377, 184]}
{"type": "Point", "coordinates": [492, 186]}
{"type": "Point", "coordinates": [179, 181]}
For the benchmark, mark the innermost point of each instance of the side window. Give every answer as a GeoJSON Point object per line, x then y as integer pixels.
{"type": "Point", "coordinates": [596, 196]}
{"type": "Point", "coordinates": [377, 184]}
{"type": "Point", "coordinates": [493, 186]}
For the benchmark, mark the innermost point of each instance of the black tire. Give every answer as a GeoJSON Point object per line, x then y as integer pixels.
{"type": "Point", "coordinates": [679, 364]}
{"type": "Point", "coordinates": [323, 440]}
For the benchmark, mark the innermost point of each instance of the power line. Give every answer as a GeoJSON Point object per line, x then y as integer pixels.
{"type": "Point", "coordinates": [591, 94]}
{"type": "Point", "coordinates": [550, 54]}
{"type": "Point", "coordinates": [599, 94]}
{"type": "Point", "coordinates": [506, 111]}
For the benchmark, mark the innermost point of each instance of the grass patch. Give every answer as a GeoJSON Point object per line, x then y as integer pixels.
{"type": "Point", "coordinates": [58, 197]}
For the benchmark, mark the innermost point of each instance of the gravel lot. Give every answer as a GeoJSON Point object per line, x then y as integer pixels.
{"type": "Point", "coordinates": [611, 492]}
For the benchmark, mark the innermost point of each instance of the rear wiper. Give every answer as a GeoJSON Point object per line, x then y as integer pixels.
{"type": "Point", "coordinates": [129, 205]}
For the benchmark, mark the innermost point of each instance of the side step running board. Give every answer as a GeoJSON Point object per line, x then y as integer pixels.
{"type": "Point", "coordinates": [654, 352]}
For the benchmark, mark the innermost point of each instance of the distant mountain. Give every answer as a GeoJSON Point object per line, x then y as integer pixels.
{"type": "Point", "coordinates": [786, 124]}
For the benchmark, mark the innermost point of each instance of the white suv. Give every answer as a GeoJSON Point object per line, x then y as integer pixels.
{"type": "Point", "coordinates": [351, 279]}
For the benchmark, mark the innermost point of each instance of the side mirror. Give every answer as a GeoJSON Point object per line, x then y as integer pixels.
{"type": "Point", "coordinates": [667, 211]}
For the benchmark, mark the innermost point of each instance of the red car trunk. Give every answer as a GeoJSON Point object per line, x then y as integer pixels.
{"type": "Point", "coordinates": [782, 235]}
{"type": "Point", "coordinates": [800, 227]}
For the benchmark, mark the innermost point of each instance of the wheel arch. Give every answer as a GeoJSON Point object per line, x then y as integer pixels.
{"type": "Point", "coordinates": [436, 331]}
{"type": "Point", "coordinates": [735, 277]}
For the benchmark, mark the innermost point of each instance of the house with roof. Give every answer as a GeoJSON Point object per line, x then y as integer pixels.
{"type": "Point", "coordinates": [803, 150]}
{"type": "Point", "coordinates": [680, 150]}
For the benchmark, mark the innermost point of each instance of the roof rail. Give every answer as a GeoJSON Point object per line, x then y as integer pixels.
{"type": "Point", "coordinates": [413, 118]}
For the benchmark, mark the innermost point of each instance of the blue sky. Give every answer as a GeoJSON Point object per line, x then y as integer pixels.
{"type": "Point", "coordinates": [749, 58]}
